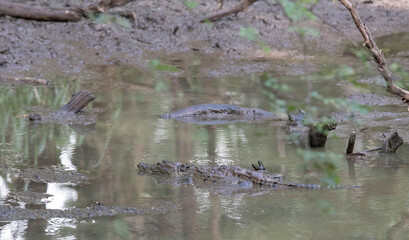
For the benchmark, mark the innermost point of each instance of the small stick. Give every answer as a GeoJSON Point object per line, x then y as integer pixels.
{"type": "Point", "coordinates": [29, 80]}
{"type": "Point", "coordinates": [243, 5]}
{"type": "Point", "coordinates": [351, 143]}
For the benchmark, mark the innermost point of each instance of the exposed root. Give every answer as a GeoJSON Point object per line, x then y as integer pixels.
{"type": "Point", "coordinates": [243, 5]}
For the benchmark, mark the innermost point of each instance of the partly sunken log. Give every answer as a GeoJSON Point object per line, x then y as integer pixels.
{"type": "Point", "coordinates": [78, 101]}
{"type": "Point", "coordinates": [351, 143]}
{"type": "Point", "coordinates": [391, 144]}
{"type": "Point", "coordinates": [317, 135]}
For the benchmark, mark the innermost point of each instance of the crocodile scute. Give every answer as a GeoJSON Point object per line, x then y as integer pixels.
{"type": "Point", "coordinates": [227, 173]}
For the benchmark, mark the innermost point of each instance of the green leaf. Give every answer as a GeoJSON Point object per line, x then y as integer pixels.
{"type": "Point", "coordinates": [296, 11]}
{"type": "Point", "coordinates": [190, 4]}
{"type": "Point", "coordinates": [249, 33]}
{"type": "Point", "coordinates": [157, 65]}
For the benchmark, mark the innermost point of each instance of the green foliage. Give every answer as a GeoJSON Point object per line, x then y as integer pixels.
{"type": "Point", "coordinates": [402, 73]}
{"type": "Point", "coordinates": [271, 83]}
{"type": "Point", "coordinates": [297, 11]}
{"type": "Point", "coordinates": [156, 65]}
{"type": "Point", "coordinates": [191, 5]}
{"type": "Point", "coordinates": [340, 103]}
{"type": "Point", "coordinates": [106, 18]}
{"type": "Point", "coordinates": [326, 207]}
{"type": "Point", "coordinates": [305, 31]}
{"type": "Point", "coordinates": [249, 33]}
{"type": "Point", "coordinates": [322, 163]}
{"type": "Point", "coordinates": [252, 34]}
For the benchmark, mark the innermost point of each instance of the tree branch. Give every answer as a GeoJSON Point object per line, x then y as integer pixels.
{"type": "Point", "coordinates": [243, 5]}
{"type": "Point", "coordinates": [376, 53]}
{"type": "Point", "coordinates": [69, 14]}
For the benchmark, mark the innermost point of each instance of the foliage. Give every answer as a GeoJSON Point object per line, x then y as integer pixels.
{"type": "Point", "coordinates": [323, 163]}
{"type": "Point", "coordinates": [191, 5]}
{"type": "Point", "coordinates": [156, 65]}
{"type": "Point", "coordinates": [106, 18]}
{"type": "Point", "coordinates": [297, 11]}
{"type": "Point", "coordinates": [253, 35]}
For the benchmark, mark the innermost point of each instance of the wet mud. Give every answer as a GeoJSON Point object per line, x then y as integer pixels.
{"type": "Point", "coordinates": [9, 213]}
{"type": "Point", "coordinates": [166, 29]}
{"type": "Point", "coordinates": [169, 30]}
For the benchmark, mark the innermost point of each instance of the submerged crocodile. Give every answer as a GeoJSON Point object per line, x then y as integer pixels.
{"type": "Point", "coordinates": [218, 114]}
{"type": "Point", "coordinates": [227, 174]}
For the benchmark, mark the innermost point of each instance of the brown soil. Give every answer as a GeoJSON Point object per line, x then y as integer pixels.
{"type": "Point", "coordinates": [169, 30]}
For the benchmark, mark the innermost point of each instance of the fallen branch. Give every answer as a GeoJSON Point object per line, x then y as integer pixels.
{"type": "Point", "coordinates": [376, 53]}
{"type": "Point", "coordinates": [390, 145]}
{"type": "Point", "coordinates": [68, 14]}
{"type": "Point", "coordinates": [28, 80]}
{"type": "Point", "coordinates": [78, 101]}
{"type": "Point", "coordinates": [243, 5]}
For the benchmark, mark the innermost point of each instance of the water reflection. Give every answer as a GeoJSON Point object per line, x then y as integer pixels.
{"type": "Point", "coordinates": [62, 194]}
{"type": "Point", "coordinates": [128, 131]}
{"type": "Point", "coordinates": [13, 230]}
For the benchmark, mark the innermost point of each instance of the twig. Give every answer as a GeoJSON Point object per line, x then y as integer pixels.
{"type": "Point", "coordinates": [243, 5]}
{"type": "Point", "coordinates": [68, 14]}
{"type": "Point", "coordinates": [25, 80]}
{"type": "Point", "coordinates": [376, 53]}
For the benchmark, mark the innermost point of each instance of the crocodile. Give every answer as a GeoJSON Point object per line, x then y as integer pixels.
{"type": "Point", "coordinates": [219, 114]}
{"type": "Point", "coordinates": [228, 174]}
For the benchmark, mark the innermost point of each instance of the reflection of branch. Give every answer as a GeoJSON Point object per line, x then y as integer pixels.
{"type": "Point", "coordinates": [376, 53]}
{"type": "Point", "coordinates": [69, 14]}
{"type": "Point", "coordinates": [243, 5]}
{"type": "Point", "coordinates": [402, 225]}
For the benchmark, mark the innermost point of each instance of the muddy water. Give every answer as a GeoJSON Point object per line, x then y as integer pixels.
{"type": "Point", "coordinates": [128, 131]}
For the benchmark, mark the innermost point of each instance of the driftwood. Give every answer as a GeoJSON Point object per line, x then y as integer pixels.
{"type": "Point", "coordinates": [28, 80]}
{"type": "Point", "coordinates": [243, 5]}
{"type": "Point", "coordinates": [376, 53]}
{"type": "Point", "coordinates": [68, 14]}
{"type": "Point", "coordinates": [78, 101]}
{"type": "Point", "coordinates": [390, 145]}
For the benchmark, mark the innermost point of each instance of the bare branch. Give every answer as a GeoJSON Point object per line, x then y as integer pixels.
{"type": "Point", "coordinates": [243, 5]}
{"type": "Point", "coordinates": [376, 53]}
{"type": "Point", "coordinates": [69, 14]}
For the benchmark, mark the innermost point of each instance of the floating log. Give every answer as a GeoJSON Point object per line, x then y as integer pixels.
{"type": "Point", "coordinates": [78, 101]}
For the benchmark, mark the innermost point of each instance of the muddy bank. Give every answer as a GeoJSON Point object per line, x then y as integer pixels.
{"type": "Point", "coordinates": [162, 29]}
{"type": "Point", "coordinates": [9, 213]}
